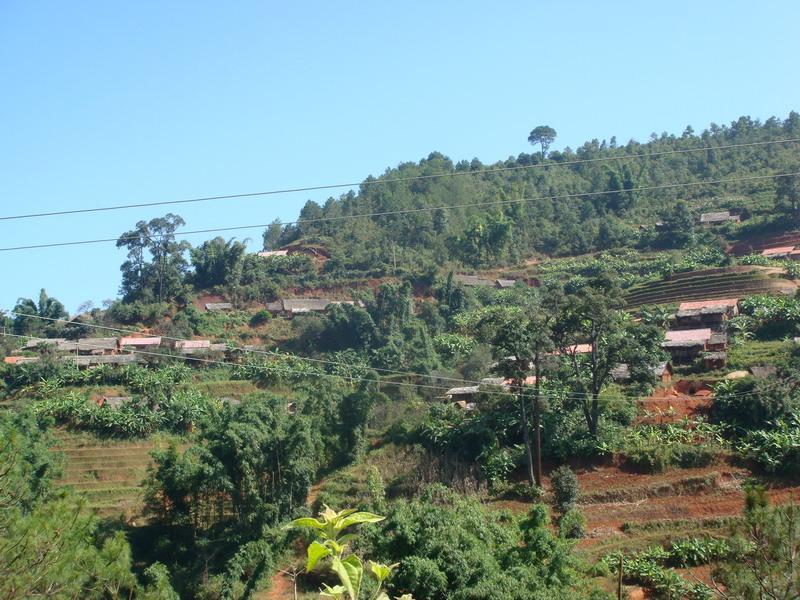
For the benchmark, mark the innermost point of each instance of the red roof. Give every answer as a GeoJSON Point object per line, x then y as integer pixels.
{"type": "Point", "coordinates": [689, 335]}
{"type": "Point", "coordinates": [777, 251]}
{"type": "Point", "coordinates": [729, 302]}
{"type": "Point", "coordinates": [140, 341]}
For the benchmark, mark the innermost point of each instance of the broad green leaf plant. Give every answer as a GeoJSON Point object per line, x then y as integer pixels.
{"type": "Point", "coordinates": [332, 542]}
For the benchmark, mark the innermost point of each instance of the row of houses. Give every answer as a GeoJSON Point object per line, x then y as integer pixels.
{"type": "Point", "coordinates": [697, 329]}
{"type": "Point", "coordinates": [87, 352]}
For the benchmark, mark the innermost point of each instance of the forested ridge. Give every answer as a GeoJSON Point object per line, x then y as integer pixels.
{"type": "Point", "coordinates": [555, 225]}
{"type": "Point", "coordinates": [402, 431]}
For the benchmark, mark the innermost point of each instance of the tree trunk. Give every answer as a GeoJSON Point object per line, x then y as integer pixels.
{"type": "Point", "coordinates": [594, 416]}
{"type": "Point", "coordinates": [526, 438]}
{"type": "Point", "coordinates": [537, 426]}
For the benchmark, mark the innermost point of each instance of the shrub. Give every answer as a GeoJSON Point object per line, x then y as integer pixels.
{"type": "Point", "coordinates": [422, 577]}
{"type": "Point", "coordinates": [777, 450]}
{"type": "Point", "coordinates": [565, 488]}
{"type": "Point", "coordinates": [692, 443]}
{"type": "Point", "coordinates": [572, 525]}
{"type": "Point", "coordinates": [260, 317]}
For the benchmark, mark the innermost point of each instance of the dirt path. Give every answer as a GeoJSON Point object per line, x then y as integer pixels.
{"type": "Point", "coordinates": [280, 585]}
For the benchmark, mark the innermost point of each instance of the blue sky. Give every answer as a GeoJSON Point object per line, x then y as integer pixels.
{"type": "Point", "coordinates": [110, 103]}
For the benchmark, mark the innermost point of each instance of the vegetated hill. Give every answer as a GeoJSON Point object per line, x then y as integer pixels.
{"type": "Point", "coordinates": [725, 282]}
{"type": "Point", "coordinates": [507, 215]}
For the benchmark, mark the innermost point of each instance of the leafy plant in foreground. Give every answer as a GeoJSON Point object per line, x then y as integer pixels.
{"type": "Point", "coordinates": [332, 543]}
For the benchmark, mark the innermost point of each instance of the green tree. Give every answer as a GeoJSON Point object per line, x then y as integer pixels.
{"type": "Point", "coordinates": [678, 227]}
{"type": "Point", "coordinates": [522, 340]}
{"type": "Point", "coordinates": [161, 277]}
{"type": "Point", "coordinates": [787, 198]}
{"type": "Point", "coordinates": [50, 545]}
{"type": "Point", "coordinates": [544, 135]}
{"type": "Point", "coordinates": [26, 311]}
{"type": "Point", "coordinates": [218, 262]}
{"type": "Point", "coordinates": [768, 545]}
{"type": "Point", "coordinates": [272, 235]}
{"type": "Point", "coordinates": [594, 335]}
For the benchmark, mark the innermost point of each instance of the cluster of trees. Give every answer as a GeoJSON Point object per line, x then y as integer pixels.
{"type": "Point", "coordinates": [51, 545]}
{"type": "Point", "coordinates": [606, 214]}
{"type": "Point", "coordinates": [220, 501]}
{"type": "Point", "coordinates": [569, 344]}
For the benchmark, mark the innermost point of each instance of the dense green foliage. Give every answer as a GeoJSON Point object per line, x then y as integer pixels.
{"type": "Point", "coordinates": [50, 544]}
{"type": "Point", "coordinates": [451, 547]}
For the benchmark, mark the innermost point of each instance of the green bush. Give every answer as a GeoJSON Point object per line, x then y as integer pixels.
{"type": "Point", "coordinates": [572, 525]}
{"type": "Point", "coordinates": [776, 450]}
{"type": "Point", "coordinates": [565, 488]}
{"type": "Point", "coordinates": [654, 448]}
{"type": "Point", "coordinates": [260, 317]}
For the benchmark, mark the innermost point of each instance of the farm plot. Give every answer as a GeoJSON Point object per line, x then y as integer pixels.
{"type": "Point", "coordinates": [108, 473]}
{"type": "Point", "coordinates": [734, 282]}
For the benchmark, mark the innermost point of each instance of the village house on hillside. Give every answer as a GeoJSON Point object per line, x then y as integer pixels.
{"type": "Point", "coordinates": [505, 283]}
{"type": "Point", "coordinates": [139, 342]}
{"type": "Point", "coordinates": [103, 359]}
{"type": "Point", "coordinates": [291, 307]}
{"type": "Point", "coordinates": [790, 252]}
{"type": "Point", "coordinates": [686, 345]}
{"type": "Point", "coordinates": [718, 218]}
{"type": "Point", "coordinates": [711, 314]}
{"type": "Point", "coordinates": [662, 371]}
{"type": "Point", "coordinates": [218, 306]}
{"type": "Point", "coordinates": [273, 253]}
{"type": "Point", "coordinates": [472, 281]}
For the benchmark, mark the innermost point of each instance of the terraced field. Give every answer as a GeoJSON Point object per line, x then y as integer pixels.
{"type": "Point", "coordinates": [726, 282]}
{"type": "Point", "coordinates": [110, 474]}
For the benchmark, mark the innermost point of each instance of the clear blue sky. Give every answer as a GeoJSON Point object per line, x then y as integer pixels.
{"type": "Point", "coordinates": [110, 103]}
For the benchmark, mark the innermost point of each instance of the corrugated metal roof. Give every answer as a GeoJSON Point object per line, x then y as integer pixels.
{"type": "Point", "coordinates": [471, 280]}
{"type": "Point", "coordinates": [714, 217]}
{"type": "Point", "coordinates": [463, 391]}
{"type": "Point", "coordinates": [505, 283]}
{"type": "Point", "coordinates": [701, 335]}
{"type": "Point", "coordinates": [110, 359]}
{"type": "Point", "coordinates": [781, 251]}
{"type": "Point", "coordinates": [194, 344]}
{"type": "Point", "coordinates": [272, 253]}
{"type": "Point", "coordinates": [301, 305]}
{"type": "Point", "coordinates": [139, 341]}
{"type": "Point", "coordinates": [726, 303]}
{"type": "Point", "coordinates": [34, 343]}
{"type": "Point", "coordinates": [219, 306]}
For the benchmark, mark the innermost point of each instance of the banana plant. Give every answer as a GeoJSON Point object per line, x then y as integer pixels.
{"type": "Point", "coordinates": [332, 542]}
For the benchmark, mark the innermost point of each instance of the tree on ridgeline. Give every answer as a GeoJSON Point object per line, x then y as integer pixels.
{"type": "Point", "coordinates": [25, 321]}
{"type": "Point", "coordinates": [544, 135]}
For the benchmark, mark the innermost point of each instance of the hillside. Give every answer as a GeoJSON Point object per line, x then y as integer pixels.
{"type": "Point", "coordinates": [510, 384]}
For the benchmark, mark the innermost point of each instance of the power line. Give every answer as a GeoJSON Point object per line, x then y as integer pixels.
{"type": "Point", "coordinates": [232, 364]}
{"type": "Point", "coordinates": [509, 391]}
{"type": "Point", "coordinates": [373, 182]}
{"type": "Point", "coordinates": [418, 210]}
{"type": "Point", "coordinates": [235, 348]}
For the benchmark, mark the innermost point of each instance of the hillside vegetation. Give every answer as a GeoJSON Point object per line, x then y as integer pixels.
{"type": "Point", "coordinates": [466, 403]}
